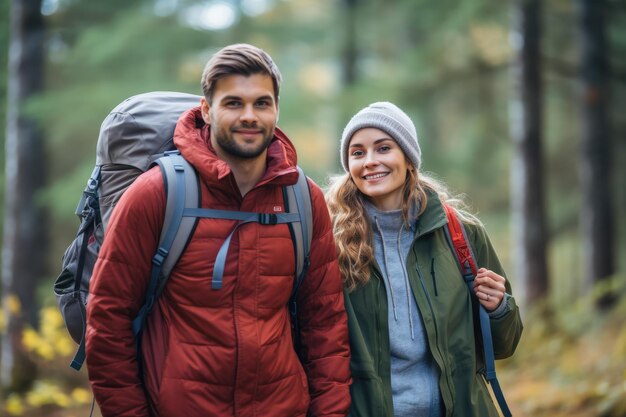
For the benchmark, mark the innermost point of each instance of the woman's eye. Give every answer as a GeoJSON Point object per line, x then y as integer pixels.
{"type": "Point", "coordinates": [384, 148]}
{"type": "Point", "coordinates": [357, 153]}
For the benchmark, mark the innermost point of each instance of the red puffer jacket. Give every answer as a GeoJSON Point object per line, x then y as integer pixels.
{"type": "Point", "coordinates": [224, 352]}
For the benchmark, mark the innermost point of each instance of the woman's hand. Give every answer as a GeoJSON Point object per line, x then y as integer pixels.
{"type": "Point", "coordinates": [489, 288]}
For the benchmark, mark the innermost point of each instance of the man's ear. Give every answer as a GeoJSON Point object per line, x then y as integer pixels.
{"type": "Point", "coordinates": [205, 109]}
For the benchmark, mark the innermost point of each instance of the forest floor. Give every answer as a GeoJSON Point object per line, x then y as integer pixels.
{"type": "Point", "coordinates": [569, 363]}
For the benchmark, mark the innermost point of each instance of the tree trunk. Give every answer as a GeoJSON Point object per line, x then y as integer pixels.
{"type": "Point", "coordinates": [595, 157]}
{"type": "Point", "coordinates": [24, 251]}
{"type": "Point", "coordinates": [349, 59]}
{"type": "Point", "coordinates": [527, 172]}
{"type": "Point", "coordinates": [350, 54]}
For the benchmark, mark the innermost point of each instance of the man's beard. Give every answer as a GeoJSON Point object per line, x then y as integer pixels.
{"type": "Point", "coordinates": [228, 144]}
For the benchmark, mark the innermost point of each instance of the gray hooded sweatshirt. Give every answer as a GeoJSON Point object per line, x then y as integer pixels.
{"type": "Point", "coordinates": [414, 375]}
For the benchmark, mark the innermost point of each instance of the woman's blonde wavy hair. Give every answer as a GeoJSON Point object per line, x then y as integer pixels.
{"type": "Point", "coordinates": [353, 235]}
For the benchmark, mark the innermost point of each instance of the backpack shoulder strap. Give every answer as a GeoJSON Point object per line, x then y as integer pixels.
{"type": "Point", "coordinates": [463, 251]}
{"type": "Point", "coordinates": [298, 200]}
{"type": "Point", "coordinates": [457, 239]}
{"type": "Point", "coordinates": [182, 191]}
{"type": "Point", "coordinates": [180, 179]}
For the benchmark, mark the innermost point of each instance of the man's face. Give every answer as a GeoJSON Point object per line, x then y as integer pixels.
{"type": "Point", "coordinates": [242, 115]}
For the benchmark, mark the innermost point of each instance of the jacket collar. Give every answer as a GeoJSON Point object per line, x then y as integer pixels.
{"type": "Point", "coordinates": [433, 216]}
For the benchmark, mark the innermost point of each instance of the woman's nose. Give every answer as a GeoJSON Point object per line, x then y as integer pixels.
{"type": "Point", "coordinates": [371, 160]}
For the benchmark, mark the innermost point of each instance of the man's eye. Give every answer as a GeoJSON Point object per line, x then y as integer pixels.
{"type": "Point", "coordinates": [264, 103]}
{"type": "Point", "coordinates": [233, 103]}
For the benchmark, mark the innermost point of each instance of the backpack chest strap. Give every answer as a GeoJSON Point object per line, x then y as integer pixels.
{"type": "Point", "coordinates": [266, 219]}
{"type": "Point", "coordinates": [245, 217]}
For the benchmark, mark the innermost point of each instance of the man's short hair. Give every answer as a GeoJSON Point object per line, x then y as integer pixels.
{"type": "Point", "coordinates": [238, 59]}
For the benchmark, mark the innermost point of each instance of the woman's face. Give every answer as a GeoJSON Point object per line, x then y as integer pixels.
{"type": "Point", "coordinates": [378, 167]}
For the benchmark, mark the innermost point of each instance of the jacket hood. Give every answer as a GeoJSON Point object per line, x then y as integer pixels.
{"type": "Point", "coordinates": [192, 138]}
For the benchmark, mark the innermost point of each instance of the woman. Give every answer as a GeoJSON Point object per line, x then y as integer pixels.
{"type": "Point", "coordinates": [412, 332]}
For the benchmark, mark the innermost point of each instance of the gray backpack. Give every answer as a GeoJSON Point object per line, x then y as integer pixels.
{"type": "Point", "coordinates": [137, 134]}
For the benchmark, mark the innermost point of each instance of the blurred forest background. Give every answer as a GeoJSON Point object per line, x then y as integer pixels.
{"type": "Point", "coordinates": [518, 104]}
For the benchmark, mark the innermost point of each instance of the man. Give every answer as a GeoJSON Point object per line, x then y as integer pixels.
{"type": "Point", "coordinates": [227, 351]}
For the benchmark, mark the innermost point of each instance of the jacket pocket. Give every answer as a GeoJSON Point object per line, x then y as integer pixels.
{"type": "Point", "coordinates": [367, 396]}
{"type": "Point", "coordinates": [483, 402]}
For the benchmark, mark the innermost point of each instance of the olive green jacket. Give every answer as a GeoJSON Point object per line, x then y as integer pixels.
{"type": "Point", "coordinates": [453, 332]}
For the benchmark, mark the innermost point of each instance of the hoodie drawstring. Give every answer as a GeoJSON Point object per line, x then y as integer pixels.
{"type": "Point", "coordinates": [405, 274]}
{"type": "Point", "coordinates": [407, 285]}
{"type": "Point", "coordinates": [386, 274]}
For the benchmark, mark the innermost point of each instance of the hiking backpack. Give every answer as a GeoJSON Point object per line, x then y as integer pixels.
{"type": "Point", "coordinates": [457, 239]}
{"type": "Point", "coordinates": [136, 135]}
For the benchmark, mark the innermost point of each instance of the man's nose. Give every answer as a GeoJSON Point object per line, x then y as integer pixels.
{"type": "Point", "coordinates": [248, 114]}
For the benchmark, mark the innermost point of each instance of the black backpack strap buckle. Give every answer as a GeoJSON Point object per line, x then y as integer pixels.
{"type": "Point", "coordinates": [268, 219]}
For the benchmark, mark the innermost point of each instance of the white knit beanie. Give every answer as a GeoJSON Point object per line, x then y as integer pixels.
{"type": "Point", "coordinates": [391, 120]}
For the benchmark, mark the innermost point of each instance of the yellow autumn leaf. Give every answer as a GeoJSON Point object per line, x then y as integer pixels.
{"type": "Point", "coordinates": [45, 350]}
{"type": "Point", "coordinates": [52, 317]}
{"type": "Point", "coordinates": [47, 392]}
{"type": "Point", "coordinates": [30, 339]}
{"type": "Point", "coordinates": [64, 346]}
{"type": "Point", "coordinates": [81, 396]}
{"type": "Point", "coordinates": [13, 304]}
{"type": "Point", "coordinates": [61, 399]}
{"type": "Point", "coordinates": [36, 398]}
{"type": "Point", "coordinates": [14, 405]}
